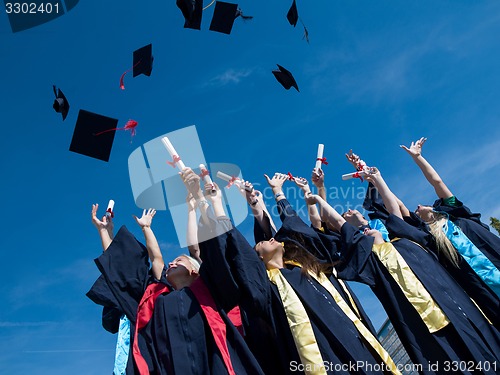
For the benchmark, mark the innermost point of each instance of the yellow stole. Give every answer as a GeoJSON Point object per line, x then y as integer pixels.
{"type": "Point", "coordinates": [365, 332]}
{"type": "Point", "coordinates": [299, 324]}
{"type": "Point", "coordinates": [433, 317]}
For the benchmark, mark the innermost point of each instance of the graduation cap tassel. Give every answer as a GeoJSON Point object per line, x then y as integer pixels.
{"type": "Point", "coordinates": [130, 125]}
{"type": "Point", "coordinates": [209, 5]}
{"type": "Point", "coordinates": [122, 84]}
{"type": "Point", "coordinates": [239, 13]}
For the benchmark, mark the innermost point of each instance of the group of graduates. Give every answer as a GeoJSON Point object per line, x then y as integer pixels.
{"type": "Point", "coordinates": [282, 306]}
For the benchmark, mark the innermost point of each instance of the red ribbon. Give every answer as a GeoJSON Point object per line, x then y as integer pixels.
{"type": "Point", "coordinates": [204, 172]}
{"type": "Point", "coordinates": [175, 159]}
{"type": "Point", "coordinates": [231, 181]}
{"type": "Point", "coordinates": [323, 161]}
{"type": "Point", "coordinates": [357, 175]}
{"type": "Point", "coordinates": [361, 165]}
{"type": "Point", "coordinates": [122, 85]}
{"type": "Point", "coordinates": [290, 177]}
{"type": "Point", "coordinates": [110, 213]}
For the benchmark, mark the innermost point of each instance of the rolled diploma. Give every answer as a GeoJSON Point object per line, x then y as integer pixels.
{"type": "Point", "coordinates": [349, 176]}
{"type": "Point", "coordinates": [321, 147]}
{"type": "Point", "coordinates": [207, 178]}
{"type": "Point", "coordinates": [238, 182]}
{"type": "Point", "coordinates": [172, 152]}
{"type": "Point", "coordinates": [111, 205]}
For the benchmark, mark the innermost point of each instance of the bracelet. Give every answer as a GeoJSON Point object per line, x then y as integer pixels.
{"type": "Point", "coordinates": [202, 202]}
{"type": "Point", "coordinates": [276, 196]}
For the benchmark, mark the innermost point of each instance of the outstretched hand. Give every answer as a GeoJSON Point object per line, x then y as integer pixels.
{"type": "Point", "coordinates": [318, 177]}
{"type": "Point", "coordinates": [105, 223]}
{"type": "Point", "coordinates": [146, 218]}
{"type": "Point", "coordinates": [277, 181]}
{"type": "Point", "coordinates": [415, 149]}
{"type": "Point", "coordinates": [302, 183]}
{"type": "Point", "coordinates": [191, 181]}
{"type": "Point", "coordinates": [207, 192]}
{"type": "Point", "coordinates": [372, 175]}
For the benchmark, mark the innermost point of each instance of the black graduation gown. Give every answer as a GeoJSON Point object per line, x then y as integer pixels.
{"type": "Point", "coordinates": [475, 230]}
{"type": "Point", "coordinates": [125, 268]}
{"type": "Point", "coordinates": [100, 294]}
{"type": "Point", "coordinates": [464, 275]}
{"type": "Point", "coordinates": [338, 339]}
{"type": "Point", "coordinates": [468, 336]}
{"type": "Point", "coordinates": [178, 339]}
{"type": "Point", "coordinates": [322, 242]}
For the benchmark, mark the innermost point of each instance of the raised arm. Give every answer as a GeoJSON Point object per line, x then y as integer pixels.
{"type": "Point", "coordinates": [415, 151]}
{"type": "Point", "coordinates": [312, 210]}
{"type": "Point", "coordinates": [390, 200]}
{"type": "Point", "coordinates": [192, 182]}
{"type": "Point", "coordinates": [256, 202]}
{"type": "Point", "coordinates": [318, 179]}
{"type": "Point", "coordinates": [328, 213]}
{"type": "Point", "coordinates": [192, 229]}
{"type": "Point", "coordinates": [104, 227]}
{"type": "Point", "coordinates": [152, 246]}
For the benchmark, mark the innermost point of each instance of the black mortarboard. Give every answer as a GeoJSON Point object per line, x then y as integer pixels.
{"type": "Point", "coordinates": [93, 135]}
{"type": "Point", "coordinates": [293, 14]}
{"type": "Point", "coordinates": [224, 16]}
{"type": "Point", "coordinates": [192, 11]}
{"type": "Point", "coordinates": [143, 61]}
{"type": "Point", "coordinates": [285, 78]}
{"type": "Point", "coordinates": [61, 104]}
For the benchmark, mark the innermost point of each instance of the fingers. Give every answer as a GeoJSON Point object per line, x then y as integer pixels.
{"type": "Point", "coordinates": [268, 179]}
{"type": "Point", "coordinates": [94, 210]}
{"type": "Point", "coordinates": [405, 148]}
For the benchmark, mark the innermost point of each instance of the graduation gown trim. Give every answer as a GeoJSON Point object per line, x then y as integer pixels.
{"type": "Point", "coordinates": [365, 332]}
{"type": "Point", "coordinates": [215, 322]}
{"type": "Point", "coordinates": [144, 314]}
{"type": "Point", "coordinates": [344, 287]}
{"type": "Point", "coordinates": [433, 317]}
{"type": "Point", "coordinates": [300, 326]}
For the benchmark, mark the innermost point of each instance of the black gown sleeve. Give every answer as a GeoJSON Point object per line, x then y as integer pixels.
{"type": "Point", "coordinates": [125, 268]}
{"type": "Point", "coordinates": [100, 294]}
{"type": "Point", "coordinates": [356, 263]}
{"type": "Point", "coordinates": [260, 233]}
{"type": "Point", "coordinates": [398, 227]}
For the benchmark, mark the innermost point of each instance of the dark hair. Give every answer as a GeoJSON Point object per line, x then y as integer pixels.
{"type": "Point", "coordinates": [296, 250]}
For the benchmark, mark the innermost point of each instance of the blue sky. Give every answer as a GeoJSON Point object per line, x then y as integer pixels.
{"type": "Point", "coordinates": [375, 75]}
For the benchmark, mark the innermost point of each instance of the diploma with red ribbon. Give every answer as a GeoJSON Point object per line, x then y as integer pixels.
{"type": "Point", "coordinates": [319, 158]}
{"type": "Point", "coordinates": [233, 180]}
{"type": "Point", "coordinates": [205, 175]}
{"type": "Point", "coordinates": [109, 210]}
{"type": "Point", "coordinates": [176, 160]}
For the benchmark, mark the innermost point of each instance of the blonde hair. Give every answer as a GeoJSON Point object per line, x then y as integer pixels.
{"type": "Point", "coordinates": [438, 227]}
{"type": "Point", "coordinates": [196, 265]}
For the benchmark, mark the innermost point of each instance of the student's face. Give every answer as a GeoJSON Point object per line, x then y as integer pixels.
{"type": "Point", "coordinates": [266, 249]}
{"type": "Point", "coordinates": [426, 213]}
{"type": "Point", "coordinates": [179, 266]}
{"type": "Point", "coordinates": [354, 217]}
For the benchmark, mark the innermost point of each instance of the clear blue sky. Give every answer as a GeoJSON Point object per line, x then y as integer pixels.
{"type": "Point", "coordinates": [375, 75]}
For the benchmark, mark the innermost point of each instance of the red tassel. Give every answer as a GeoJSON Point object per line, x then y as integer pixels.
{"type": "Point", "coordinates": [122, 84]}
{"type": "Point", "coordinates": [130, 125]}
{"type": "Point", "coordinates": [290, 176]}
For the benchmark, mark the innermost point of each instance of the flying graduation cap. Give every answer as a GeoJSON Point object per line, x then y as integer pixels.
{"type": "Point", "coordinates": [85, 139]}
{"type": "Point", "coordinates": [224, 16]}
{"type": "Point", "coordinates": [293, 17]}
{"type": "Point", "coordinates": [142, 63]}
{"type": "Point", "coordinates": [192, 11]}
{"type": "Point", "coordinates": [285, 78]}
{"type": "Point", "coordinates": [61, 104]}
